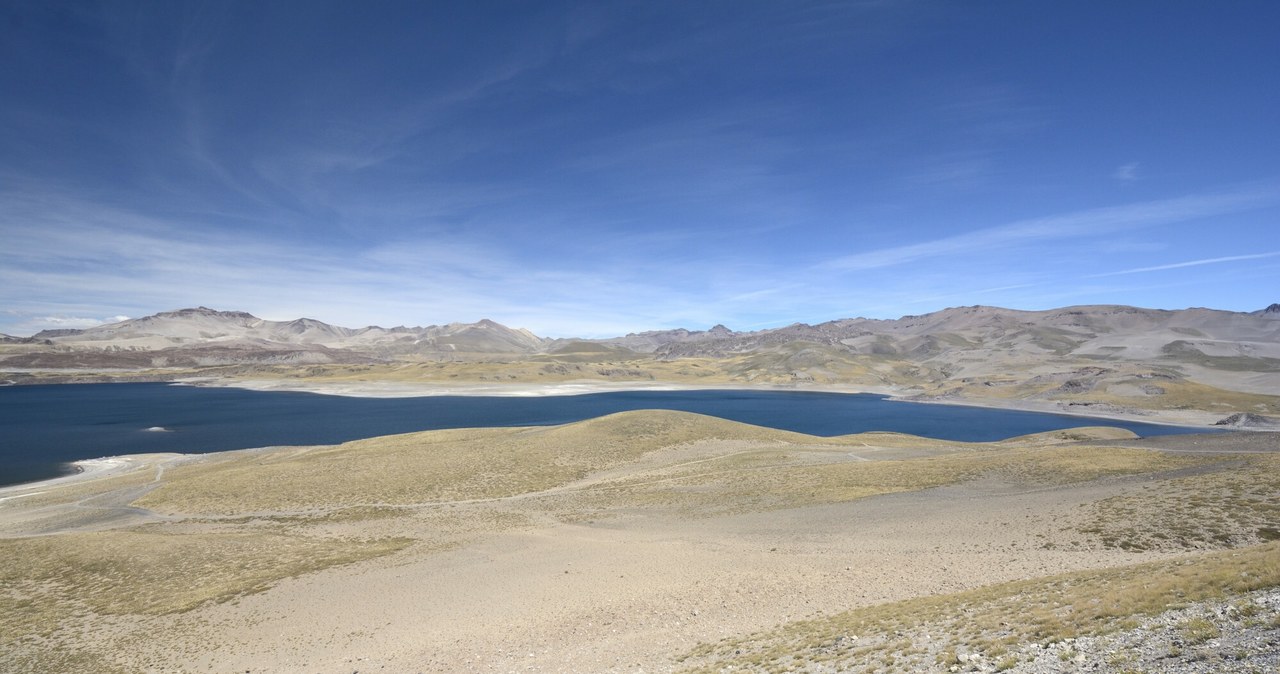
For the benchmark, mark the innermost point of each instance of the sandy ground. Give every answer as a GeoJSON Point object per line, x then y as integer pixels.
{"type": "Point", "coordinates": [1164, 417]}
{"type": "Point", "coordinates": [632, 594]}
{"type": "Point", "coordinates": [376, 389]}
{"type": "Point", "coordinates": [626, 592]}
{"type": "Point", "coordinates": [572, 578]}
{"type": "Point", "coordinates": [86, 470]}
{"type": "Point", "coordinates": [389, 389]}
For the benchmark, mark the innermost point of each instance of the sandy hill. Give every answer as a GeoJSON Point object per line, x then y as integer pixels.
{"type": "Point", "coordinates": [654, 541]}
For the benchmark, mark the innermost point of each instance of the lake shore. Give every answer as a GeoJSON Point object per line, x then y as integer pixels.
{"type": "Point", "coordinates": [1184, 418]}
{"type": "Point", "coordinates": [87, 470]}
{"type": "Point", "coordinates": [389, 389]}
{"type": "Point", "coordinates": [676, 530]}
{"type": "Point", "coordinates": [382, 389]}
{"type": "Point", "coordinates": [118, 439]}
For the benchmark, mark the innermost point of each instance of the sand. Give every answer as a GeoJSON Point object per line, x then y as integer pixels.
{"type": "Point", "coordinates": [1118, 413]}
{"type": "Point", "coordinates": [374, 388]}
{"type": "Point", "coordinates": [633, 595]}
{"type": "Point", "coordinates": [625, 568]}
{"type": "Point", "coordinates": [386, 389]}
{"type": "Point", "coordinates": [86, 470]}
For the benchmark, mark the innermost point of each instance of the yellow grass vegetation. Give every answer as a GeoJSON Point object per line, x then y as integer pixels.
{"type": "Point", "coordinates": [988, 620]}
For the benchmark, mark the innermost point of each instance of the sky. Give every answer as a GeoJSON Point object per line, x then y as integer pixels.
{"type": "Point", "coordinates": [597, 168]}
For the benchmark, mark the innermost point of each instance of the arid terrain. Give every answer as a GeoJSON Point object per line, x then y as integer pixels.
{"type": "Point", "coordinates": [664, 541]}
{"type": "Point", "coordinates": [1193, 366]}
{"type": "Point", "coordinates": [435, 337]}
{"type": "Point", "coordinates": [652, 541]}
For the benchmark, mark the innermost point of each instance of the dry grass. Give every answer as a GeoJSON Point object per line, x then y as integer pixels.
{"type": "Point", "coordinates": [74, 492]}
{"type": "Point", "coordinates": [1189, 395]}
{"type": "Point", "coordinates": [559, 368]}
{"type": "Point", "coordinates": [58, 593]}
{"type": "Point", "coordinates": [1239, 505]}
{"type": "Point", "coordinates": [920, 633]}
{"type": "Point", "coordinates": [1179, 393]}
{"type": "Point", "coordinates": [750, 469]}
{"type": "Point", "coordinates": [789, 477]}
{"type": "Point", "coordinates": [146, 571]}
{"type": "Point", "coordinates": [246, 520]}
{"type": "Point", "coordinates": [940, 364]}
{"type": "Point", "coordinates": [434, 466]}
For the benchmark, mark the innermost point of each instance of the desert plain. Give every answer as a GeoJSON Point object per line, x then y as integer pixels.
{"type": "Point", "coordinates": [647, 541]}
{"type": "Point", "coordinates": [658, 541]}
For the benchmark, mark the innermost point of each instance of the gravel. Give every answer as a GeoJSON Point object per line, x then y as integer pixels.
{"type": "Point", "coordinates": [1237, 636]}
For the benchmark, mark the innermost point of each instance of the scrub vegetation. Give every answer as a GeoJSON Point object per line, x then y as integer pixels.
{"type": "Point", "coordinates": [983, 625]}
{"type": "Point", "coordinates": [94, 568]}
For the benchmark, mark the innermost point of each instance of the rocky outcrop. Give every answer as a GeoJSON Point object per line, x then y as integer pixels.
{"type": "Point", "coordinates": [60, 332]}
{"type": "Point", "coordinates": [1272, 311]}
{"type": "Point", "coordinates": [1077, 352]}
{"type": "Point", "coordinates": [1248, 420]}
{"type": "Point", "coordinates": [203, 328]}
{"type": "Point", "coordinates": [10, 339]}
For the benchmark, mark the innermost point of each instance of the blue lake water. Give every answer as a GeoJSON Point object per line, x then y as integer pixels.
{"type": "Point", "coordinates": [42, 428]}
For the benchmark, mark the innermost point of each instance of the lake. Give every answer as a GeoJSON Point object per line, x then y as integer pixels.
{"type": "Point", "coordinates": [43, 428]}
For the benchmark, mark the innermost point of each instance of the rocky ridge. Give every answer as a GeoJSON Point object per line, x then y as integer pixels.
{"type": "Point", "coordinates": [1103, 357]}
{"type": "Point", "coordinates": [1248, 420]}
{"type": "Point", "coordinates": [203, 337]}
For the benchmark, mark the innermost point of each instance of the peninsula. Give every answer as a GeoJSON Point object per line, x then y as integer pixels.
{"type": "Point", "coordinates": [665, 541]}
{"type": "Point", "coordinates": [1191, 366]}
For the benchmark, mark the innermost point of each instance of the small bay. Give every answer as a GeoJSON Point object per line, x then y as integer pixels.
{"type": "Point", "coordinates": [44, 428]}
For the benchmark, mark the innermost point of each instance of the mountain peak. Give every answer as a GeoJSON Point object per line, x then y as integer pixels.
{"type": "Point", "coordinates": [204, 311]}
{"type": "Point", "coordinates": [57, 332]}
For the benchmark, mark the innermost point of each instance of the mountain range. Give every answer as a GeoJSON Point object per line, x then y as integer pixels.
{"type": "Point", "coordinates": [1102, 354]}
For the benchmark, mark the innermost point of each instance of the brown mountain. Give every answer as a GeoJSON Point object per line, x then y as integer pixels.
{"type": "Point", "coordinates": [203, 337]}
{"type": "Point", "coordinates": [1083, 355]}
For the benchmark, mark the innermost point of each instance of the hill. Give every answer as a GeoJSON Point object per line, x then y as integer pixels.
{"type": "Point", "coordinates": [656, 541]}
{"type": "Point", "coordinates": [1097, 359]}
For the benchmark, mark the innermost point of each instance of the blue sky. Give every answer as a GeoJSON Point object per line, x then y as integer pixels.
{"type": "Point", "coordinates": [592, 169]}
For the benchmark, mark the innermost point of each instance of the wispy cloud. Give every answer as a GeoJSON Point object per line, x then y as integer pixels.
{"type": "Point", "coordinates": [957, 170]}
{"type": "Point", "coordinates": [24, 324]}
{"type": "Point", "coordinates": [1126, 172]}
{"type": "Point", "coordinates": [601, 170]}
{"type": "Point", "coordinates": [129, 263]}
{"type": "Point", "coordinates": [1035, 231]}
{"type": "Point", "coordinates": [1190, 263]}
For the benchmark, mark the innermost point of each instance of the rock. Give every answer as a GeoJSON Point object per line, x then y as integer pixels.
{"type": "Point", "coordinates": [1248, 420]}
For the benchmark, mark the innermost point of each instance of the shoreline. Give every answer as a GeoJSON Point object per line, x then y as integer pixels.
{"type": "Point", "coordinates": [123, 464]}
{"type": "Point", "coordinates": [371, 389]}
{"type": "Point", "coordinates": [376, 389]}
{"type": "Point", "coordinates": [88, 469]}
{"type": "Point", "coordinates": [1182, 418]}
{"type": "Point", "coordinates": [400, 389]}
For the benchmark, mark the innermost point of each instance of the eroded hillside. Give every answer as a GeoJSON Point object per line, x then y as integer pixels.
{"type": "Point", "coordinates": [1092, 360]}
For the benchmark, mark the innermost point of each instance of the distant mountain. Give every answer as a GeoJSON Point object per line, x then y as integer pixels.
{"type": "Point", "coordinates": [1104, 331]}
{"type": "Point", "coordinates": [1271, 311]}
{"type": "Point", "coordinates": [10, 339]}
{"type": "Point", "coordinates": [1107, 352]}
{"type": "Point", "coordinates": [202, 326]}
{"type": "Point", "coordinates": [206, 337]}
{"type": "Point", "coordinates": [60, 332]}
